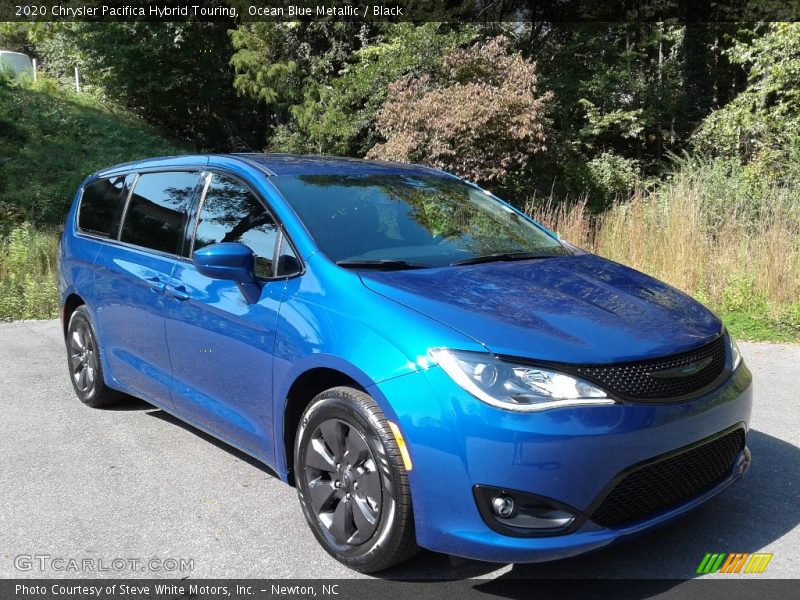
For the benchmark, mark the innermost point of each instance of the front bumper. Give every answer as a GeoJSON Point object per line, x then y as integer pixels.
{"type": "Point", "coordinates": [568, 455]}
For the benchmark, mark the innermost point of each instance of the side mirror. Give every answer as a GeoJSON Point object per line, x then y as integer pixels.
{"type": "Point", "coordinates": [230, 261]}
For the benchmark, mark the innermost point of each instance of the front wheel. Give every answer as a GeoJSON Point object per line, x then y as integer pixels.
{"type": "Point", "coordinates": [352, 482]}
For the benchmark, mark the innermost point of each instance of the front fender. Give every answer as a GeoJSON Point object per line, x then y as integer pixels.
{"type": "Point", "coordinates": [329, 319]}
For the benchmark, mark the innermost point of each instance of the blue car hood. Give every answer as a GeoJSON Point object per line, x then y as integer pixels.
{"type": "Point", "coordinates": [575, 309]}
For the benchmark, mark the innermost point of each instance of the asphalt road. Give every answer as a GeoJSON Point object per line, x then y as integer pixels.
{"type": "Point", "coordinates": [136, 483]}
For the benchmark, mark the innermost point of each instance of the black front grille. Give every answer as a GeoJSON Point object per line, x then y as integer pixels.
{"type": "Point", "coordinates": [660, 378]}
{"type": "Point", "coordinates": [669, 481]}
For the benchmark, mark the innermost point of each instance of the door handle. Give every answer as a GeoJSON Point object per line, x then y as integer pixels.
{"type": "Point", "coordinates": [156, 284]}
{"type": "Point", "coordinates": [179, 293]}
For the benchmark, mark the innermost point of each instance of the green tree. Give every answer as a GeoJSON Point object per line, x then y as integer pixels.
{"type": "Point", "coordinates": [759, 128]}
{"type": "Point", "coordinates": [340, 117]}
{"type": "Point", "coordinates": [278, 63]}
{"type": "Point", "coordinates": [175, 75]}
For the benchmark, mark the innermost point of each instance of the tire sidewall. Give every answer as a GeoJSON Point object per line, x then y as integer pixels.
{"type": "Point", "coordinates": [333, 406]}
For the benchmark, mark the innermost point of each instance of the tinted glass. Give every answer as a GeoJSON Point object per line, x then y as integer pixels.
{"type": "Point", "coordinates": [158, 210]}
{"type": "Point", "coordinates": [288, 264]}
{"type": "Point", "coordinates": [232, 213]}
{"type": "Point", "coordinates": [102, 204]}
{"type": "Point", "coordinates": [426, 220]}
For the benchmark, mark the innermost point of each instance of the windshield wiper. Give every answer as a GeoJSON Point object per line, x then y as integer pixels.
{"type": "Point", "coordinates": [501, 256]}
{"type": "Point", "coordinates": [385, 264]}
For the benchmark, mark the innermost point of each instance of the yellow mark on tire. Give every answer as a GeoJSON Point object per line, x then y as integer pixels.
{"type": "Point", "coordinates": [401, 443]}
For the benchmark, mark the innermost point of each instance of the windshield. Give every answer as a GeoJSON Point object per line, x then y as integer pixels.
{"type": "Point", "coordinates": [419, 220]}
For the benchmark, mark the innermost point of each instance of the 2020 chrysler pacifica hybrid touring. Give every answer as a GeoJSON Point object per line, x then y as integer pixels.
{"type": "Point", "coordinates": [424, 363]}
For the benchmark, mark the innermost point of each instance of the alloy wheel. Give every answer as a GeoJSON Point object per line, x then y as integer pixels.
{"type": "Point", "coordinates": [82, 358]}
{"type": "Point", "coordinates": [344, 484]}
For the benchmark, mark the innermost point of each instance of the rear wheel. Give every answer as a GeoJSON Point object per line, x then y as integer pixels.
{"type": "Point", "coordinates": [83, 359]}
{"type": "Point", "coordinates": [352, 483]}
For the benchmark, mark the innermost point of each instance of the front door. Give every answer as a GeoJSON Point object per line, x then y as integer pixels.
{"type": "Point", "coordinates": [220, 345]}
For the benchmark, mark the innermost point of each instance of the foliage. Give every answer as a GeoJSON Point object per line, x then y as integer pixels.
{"type": "Point", "coordinates": [28, 274]}
{"type": "Point", "coordinates": [175, 75]}
{"type": "Point", "coordinates": [614, 175]}
{"type": "Point", "coordinates": [278, 63]}
{"type": "Point", "coordinates": [761, 127]}
{"type": "Point", "coordinates": [16, 37]}
{"type": "Point", "coordinates": [338, 116]}
{"type": "Point", "coordinates": [679, 141]}
{"type": "Point", "coordinates": [51, 138]}
{"type": "Point", "coordinates": [481, 119]}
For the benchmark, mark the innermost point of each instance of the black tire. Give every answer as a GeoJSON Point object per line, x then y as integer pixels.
{"type": "Point", "coordinates": [83, 361]}
{"type": "Point", "coordinates": [337, 509]}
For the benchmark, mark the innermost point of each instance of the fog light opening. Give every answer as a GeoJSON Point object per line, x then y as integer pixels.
{"type": "Point", "coordinates": [521, 514]}
{"type": "Point", "coordinates": [503, 506]}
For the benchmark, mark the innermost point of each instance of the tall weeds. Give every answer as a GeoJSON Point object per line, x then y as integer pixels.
{"type": "Point", "coordinates": [28, 274]}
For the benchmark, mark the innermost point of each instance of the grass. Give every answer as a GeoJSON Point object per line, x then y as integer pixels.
{"type": "Point", "coordinates": [51, 138]}
{"type": "Point", "coordinates": [739, 253]}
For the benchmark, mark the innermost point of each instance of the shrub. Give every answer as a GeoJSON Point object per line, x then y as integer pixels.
{"type": "Point", "coordinates": [483, 120]}
{"type": "Point", "coordinates": [28, 274]}
{"type": "Point", "coordinates": [614, 176]}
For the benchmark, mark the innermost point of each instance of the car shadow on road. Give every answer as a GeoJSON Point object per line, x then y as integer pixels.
{"type": "Point", "coordinates": [131, 403]}
{"type": "Point", "coordinates": [128, 403]}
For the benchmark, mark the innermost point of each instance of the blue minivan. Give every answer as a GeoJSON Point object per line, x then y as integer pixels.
{"type": "Point", "coordinates": [428, 366]}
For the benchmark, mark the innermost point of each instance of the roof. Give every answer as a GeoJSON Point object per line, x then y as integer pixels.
{"type": "Point", "coordinates": [283, 164]}
{"type": "Point", "coordinates": [307, 164]}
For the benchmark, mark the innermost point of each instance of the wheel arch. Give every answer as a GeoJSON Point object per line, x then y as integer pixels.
{"type": "Point", "coordinates": [71, 302]}
{"type": "Point", "coordinates": [302, 391]}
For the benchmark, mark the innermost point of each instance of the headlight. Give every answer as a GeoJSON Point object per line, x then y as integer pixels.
{"type": "Point", "coordinates": [735, 353]}
{"type": "Point", "coordinates": [516, 387]}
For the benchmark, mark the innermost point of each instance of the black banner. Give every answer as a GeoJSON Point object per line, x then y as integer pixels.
{"type": "Point", "coordinates": [404, 10]}
{"type": "Point", "coordinates": [370, 589]}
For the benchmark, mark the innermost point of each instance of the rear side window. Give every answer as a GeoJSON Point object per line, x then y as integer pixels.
{"type": "Point", "coordinates": [158, 210]}
{"type": "Point", "coordinates": [232, 213]}
{"type": "Point", "coordinates": [102, 204]}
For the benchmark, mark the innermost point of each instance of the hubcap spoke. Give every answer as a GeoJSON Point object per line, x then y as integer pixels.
{"type": "Point", "coordinates": [320, 493]}
{"type": "Point", "coordinates": [319, 457]}
{"type": "Point", "coordinates": [77, 341]}
{"type": "Point", "coordinates": [75, 361]}
{"type": "Point", "coordinates": [333, 434]}
{"type": "Point", "coordinates": [364, 517]}
{"type": "Point", "coordinates": [370, 485]}
{"type": "Point", "coordinates": [82, 378]}
{"type": "Point", "coordinates": [357, 450]}
{"type": "Point", "coordinates": [342, 523]}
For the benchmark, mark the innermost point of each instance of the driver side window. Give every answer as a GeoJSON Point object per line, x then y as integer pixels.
{"type": "Point", "coordinates": [232, 213]}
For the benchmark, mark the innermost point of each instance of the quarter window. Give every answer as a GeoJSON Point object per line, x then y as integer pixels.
{"type": "Point", "coordinates": [158, 210]}
{"type": "Point", "coordinates": [102, 204]}
{"type": "Point", "coordinates": [232, 213]}
{"type": "Point", "coordinates": [287, 260]}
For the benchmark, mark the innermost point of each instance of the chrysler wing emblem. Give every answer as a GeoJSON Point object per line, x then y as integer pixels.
{"type": "Point", "coordinates": [683, 371]}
